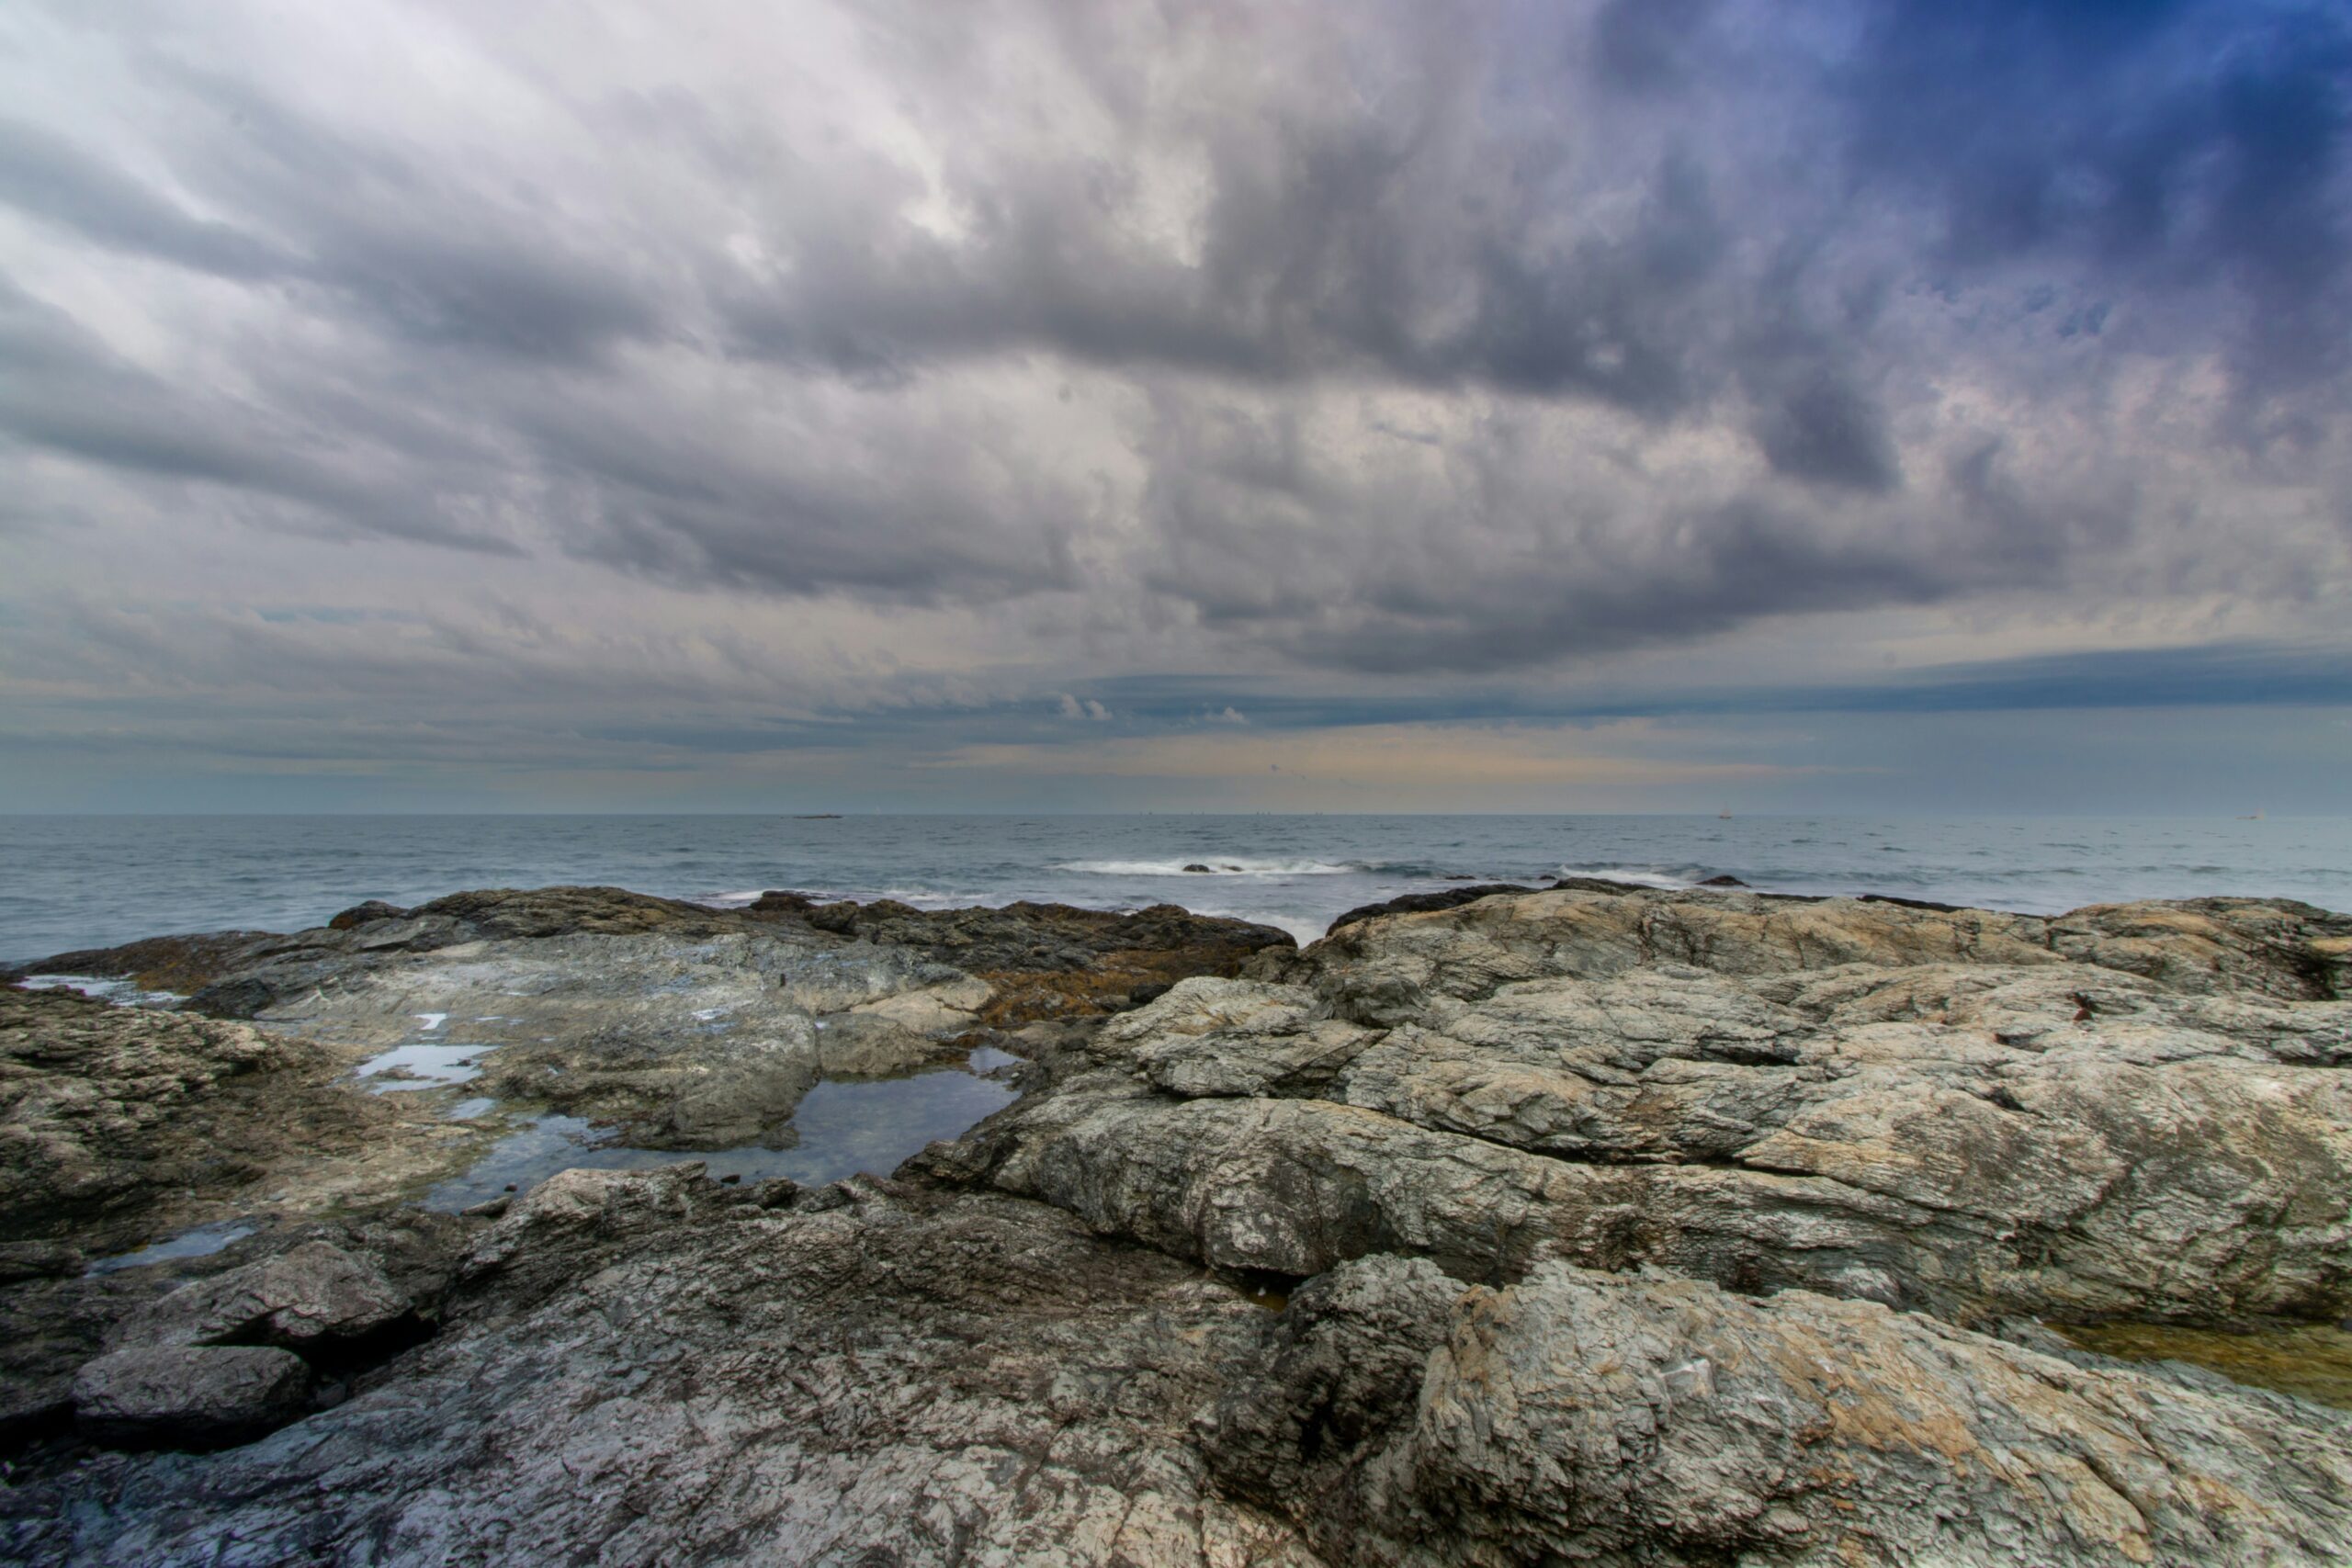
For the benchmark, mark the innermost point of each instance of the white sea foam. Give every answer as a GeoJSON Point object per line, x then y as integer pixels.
{"type": "Point", "coordinates": [121, 993]}
{"type": "Point", "coordinates": [1304, 928]}
{"type": "Point", "coordinates": [1218, 865]}
{"type": "Point", "coordinates": [1640, 876]}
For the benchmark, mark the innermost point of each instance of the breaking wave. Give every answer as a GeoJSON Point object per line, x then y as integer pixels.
{"type": "Point", "coordinates": [1217, 866]}
{"type": "Point", "coordinates": [1667, 878]}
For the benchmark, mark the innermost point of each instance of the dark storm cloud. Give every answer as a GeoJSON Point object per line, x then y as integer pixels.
{"type": "Point", "coordinates": [1387, 338]}
{"type": "Point", "coordinates": [889, 524]}
{"type": "Point", "coordinates": [1410, 239]}
{"type": "Point", "coordinates": [1644, 45]}
{"type": "Point", "coordinates": [2165, 142]}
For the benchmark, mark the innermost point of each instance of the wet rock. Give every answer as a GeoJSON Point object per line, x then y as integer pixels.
{"type": "Point", "coordinates": [189, 1396]}
{"type": "Point", "coordinates": [119, 1126]}
{"type": "Point", "coordinates": [1723, 880]}
{"type": "Point", "coordinates": [691, 1028]}
{"type": "Point", "coordinates": [38, 1259]}
{"type": "Point", "coordinates": [50, 1326]}
{"type": "Point", "coordinates": [374, 910]}
{"type": "Point", "coordinates": [247, 997]}
{"type": "Point", "coordinates": [839, 918]}
{"type": "Point", "coordinates": [310, 1296]}
{"type": "Point", "coordinates": [1417, 903]}
{"type": "Point", "coordinates": [1197, 866]}
{"type": "Point", "coordinates": [661, 1371]}
{"type": "Point", "coordinates": [1395, 1416]}
{"type": "Point", "coordinates": [180, 965]}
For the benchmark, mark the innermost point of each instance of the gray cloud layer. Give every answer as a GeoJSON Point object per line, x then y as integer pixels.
{"type": "Point", "coordinates": [1390, 340]}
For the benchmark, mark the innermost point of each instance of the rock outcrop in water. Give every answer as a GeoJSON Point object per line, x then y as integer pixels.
{"type": "Point", "coordinates": [1622, 1228]}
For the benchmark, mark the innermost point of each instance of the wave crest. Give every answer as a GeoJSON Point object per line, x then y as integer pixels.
{"type": "Point", "coordinates": [1218, 865]}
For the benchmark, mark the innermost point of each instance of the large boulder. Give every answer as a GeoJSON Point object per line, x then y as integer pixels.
{"type": "Point", "coordinates": [1397, 1416]}
{"type": "Point", "coordinates": [312, 1296]}
{"type": "Point", "coordinates": [197, 1396]}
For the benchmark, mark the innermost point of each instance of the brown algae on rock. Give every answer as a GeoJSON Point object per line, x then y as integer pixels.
{"type": "Point", "coordinates": [2310, 1361]}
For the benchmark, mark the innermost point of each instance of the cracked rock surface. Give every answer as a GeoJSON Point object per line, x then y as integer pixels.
{"type": "Point", "coordinates": [2131, 1111]}
{"type": "Point", "coordinates": [1400, 1417]}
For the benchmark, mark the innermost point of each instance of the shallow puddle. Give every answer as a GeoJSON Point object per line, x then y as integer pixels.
{"type": "Point", "coordinates": [991, 1063]}
{"type": "Point", "coordinates": [202, 1242]}
{"type": "Point", "coordinates": [842, 1127]}
{"type": "Point", "coordinates": [2311, 1361]}
{"type": "Point", "coordinates": [121, 993]}
{"type": "Point", "coordinates": [422, 1066]}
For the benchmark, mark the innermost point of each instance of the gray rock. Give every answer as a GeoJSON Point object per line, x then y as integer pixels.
{"type": "Point", "coordinates": [1417, 903]}
{"type": "Point", "coordinates": [122, 1126]}
{"type": "Point", "coordinates": [644, 1368]}
{"type": "Point", "coordinates": [1659, 1421]}
{"type": "Point", "coordinates": [679, 1026]}
{"type": "Point", "coordinates": [1396, 1416]}
{"type": "Point", "coordinates": [1486, 1131]}
{"type": "Point", "coordinates": [314, 1295]}
{"type": "Point", "coordinates": [189, 1395]}
{"type": "Point", "coordinates": [1942, 1111]}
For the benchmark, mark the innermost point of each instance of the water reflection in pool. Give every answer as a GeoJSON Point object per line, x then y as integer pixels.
{"type": "Point", "coordinates": [202, 1242]}
{"type": "Point", "coordinates": [844, 1127]}
{"type": "Point", "coordinates": [421, 1066]}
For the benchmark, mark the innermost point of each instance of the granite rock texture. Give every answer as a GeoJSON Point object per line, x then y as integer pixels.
{"type": "Point", "coordinates": [1399, 1417]}
{"type": "Point", "coordinates": [189, 1395]}
{"type": "Point", "coordinates": [646, 1367]}
{"type": "Point", "coordinates": [2135, 1110]}
{"type": "Point", "coordinates": [120, 1125]}
{"type": "Point", "coordinates": [1616, 1227]}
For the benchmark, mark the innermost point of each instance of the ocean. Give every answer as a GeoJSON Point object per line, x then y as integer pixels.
{"type": "Point", "coordinates": [75, 882]}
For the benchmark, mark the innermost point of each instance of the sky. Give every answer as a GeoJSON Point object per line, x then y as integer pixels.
{"type": "Point", "coordinates": [1644, 405]}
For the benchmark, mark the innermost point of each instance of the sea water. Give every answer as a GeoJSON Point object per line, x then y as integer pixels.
{"type": "Point", "coordinates": [74, 882]}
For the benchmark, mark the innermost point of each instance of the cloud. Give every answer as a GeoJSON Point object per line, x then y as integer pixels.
{"type": "Point", "coordinates": [50, 178]}
{"type": "Point", "coordinates": [1344, 360]}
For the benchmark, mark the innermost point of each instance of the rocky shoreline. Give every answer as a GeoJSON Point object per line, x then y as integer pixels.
{"type": "Point", "coordinates": [1599, 1224]}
